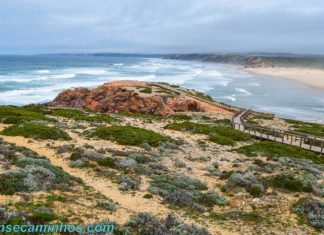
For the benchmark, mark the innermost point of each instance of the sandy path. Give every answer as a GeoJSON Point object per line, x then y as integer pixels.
{"type": "Point", "coordinates": [128, 204]}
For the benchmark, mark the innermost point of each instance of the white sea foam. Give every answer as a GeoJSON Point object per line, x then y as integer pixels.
{"type": "Point", "coordinates": [243, 91]}
{"type": "Point", "coordinates": [21, 79]}
{"type": "Point", "coordinates": [118, 64]}
{"type": "Point", "coordinates": [64, 76]}
{"type": "Point", "coordinates": [39, 94]}
{"type": "Point", "coordinates": [43, 71]}
{"type": "Point", "coordinates": [92, 71]}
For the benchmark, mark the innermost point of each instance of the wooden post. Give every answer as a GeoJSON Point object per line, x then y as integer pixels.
{"type": "Point", "coordinates": [291, 139]}
{"type": "Point", "coordinates": [310, 143]}
{"type": "Point", "coordinates": [322, 146]}
{"type": "Point", "coordinates": [301, 138]}
{"type": "Point", "coordinates": [274, 134]}
{"type": "Point", "coordinates": [283, 137]}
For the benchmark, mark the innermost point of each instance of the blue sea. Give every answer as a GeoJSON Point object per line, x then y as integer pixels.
{"type": "Point", "coordinates": [39, 78]}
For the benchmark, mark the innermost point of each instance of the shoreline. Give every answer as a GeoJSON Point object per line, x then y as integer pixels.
{"type": "Point", "coordinates": [313, 78]}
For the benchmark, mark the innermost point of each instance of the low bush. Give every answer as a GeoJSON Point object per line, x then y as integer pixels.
{"type": "Point", "coordinates": [11, 183]}
{"type": "Point", "coordinates": [143, 115]}
{"type": "Point", "coordinates": [107, 162]}
{"type": "Point", "coordinates": [180, 117]}
{"type": "Point", "coordinates": [44, 216]}
{"type": "Point", "coordinates": [14, 115]}
{"type": "Point", "coordinates": [128, 135]}
{"type": "Point", "coordinates": [108, 205]}
{"type": "Point", "coordinates": [224, 122]}
{"type": "Point", "coordinates": [290, 183]}
{"type": "Point", "coordinates": [146, 224]}
{"type": "Point", "coordinates": [37, 131]}
{"type": "Point", "coordinates": [252, 183]}
{"type": "Point", "coordinates": [219, 134]}
{"type": "Point", "coordinates": [236, 215]}
{"type": "Point", "coordinates": [311, 210]}
{"type": "Point", "coordinates": [272, 149]}
{"type": "Point", "coordinates": [184, 191]}
{"type": "Point", "coordinates": [222, 140]}
{"type": "Point", "coordinates": [146, 90]}
{"type": "Point", "coordinates": [127, 183]}
{"type": "Point", "coordinates": [80, 115]}
{"type": "Point", "coordinates": [307, 127]}
{"type": "Point", "coordinates": [148, 196]}
{"type": "Point", "coordinates": [77, 164]}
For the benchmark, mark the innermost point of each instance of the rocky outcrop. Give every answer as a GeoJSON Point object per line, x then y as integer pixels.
{"type": "Point", "coordinates": [112, 98]}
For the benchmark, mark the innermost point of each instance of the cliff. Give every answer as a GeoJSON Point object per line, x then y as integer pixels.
{"type": "Point", "coordinates": [133, 97]}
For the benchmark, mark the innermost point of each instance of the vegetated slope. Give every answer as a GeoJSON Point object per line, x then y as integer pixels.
{"type": "Point", "coordinates": [256, 60]}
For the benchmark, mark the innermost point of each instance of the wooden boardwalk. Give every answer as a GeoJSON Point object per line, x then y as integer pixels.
{"type": "Point", "coordinates": [301, 140]}
{"type": "Point", "coordinates": [304, 141]}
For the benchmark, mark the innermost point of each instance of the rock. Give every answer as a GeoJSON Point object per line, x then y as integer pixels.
{"type": "Point", "coordinates": [237, 203]}
{"type": "Point", "coordinates": [118, 97]}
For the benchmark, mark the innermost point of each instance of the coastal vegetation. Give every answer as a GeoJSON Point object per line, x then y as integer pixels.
{"type": "Point", "coordinates": [273, 149]}
{"type": "Point", "coordinates": [36, 131]}
{"type": "Point", "coordinates": [14, 115]}
{"type": "Point", "coordinates": [122, 166]}
{"type": "Point", "coordinates": [219, 134]}
{"type": "Point", "coordinates": [80, 115]}
{"type": "Point", "coordinates": [146, 90]}
{"type": "Point", "coordinates": [128, 135]}
{"type": "Point", "coordinates": [315, 129]}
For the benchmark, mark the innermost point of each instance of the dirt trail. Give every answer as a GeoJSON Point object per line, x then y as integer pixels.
{"type": "Point", "coordinates": [128, 204]}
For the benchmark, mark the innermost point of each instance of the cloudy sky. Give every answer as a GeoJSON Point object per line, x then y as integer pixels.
{"type": "Point", "coordinates": [152, 26]}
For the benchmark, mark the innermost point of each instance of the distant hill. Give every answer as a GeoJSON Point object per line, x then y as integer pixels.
{"type": "Point", "coordinates": [255, 60]}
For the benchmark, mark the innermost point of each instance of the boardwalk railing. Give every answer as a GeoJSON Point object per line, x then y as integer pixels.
{"type": "Point", "coordinates": [305, 141]}
{"type": "Point", "coordinates": [313, 143]}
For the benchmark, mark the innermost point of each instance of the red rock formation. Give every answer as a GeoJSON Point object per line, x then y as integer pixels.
{"type": "Point", "coordinates": [112, 98]}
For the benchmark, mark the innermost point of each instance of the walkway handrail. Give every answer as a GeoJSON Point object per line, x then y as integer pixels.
{"type": "Point", "coordinates": [238, 122]}
{"type": "Point", "coordinates": [302, 140]}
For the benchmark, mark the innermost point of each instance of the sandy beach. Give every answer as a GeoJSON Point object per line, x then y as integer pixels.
{"type": "Point", "coordinates": [313, 78]}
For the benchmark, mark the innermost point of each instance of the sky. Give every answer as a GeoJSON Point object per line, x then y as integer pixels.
{"type": "Point", "coordinates": [161, 26]}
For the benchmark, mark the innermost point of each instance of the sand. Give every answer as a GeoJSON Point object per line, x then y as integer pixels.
{"type": "Point", "coordinates": [313, 78]}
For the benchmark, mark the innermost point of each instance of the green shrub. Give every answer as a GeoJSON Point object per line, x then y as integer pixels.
{"type": "Point", "coordinates": [236, 215]}
{"type": "Point", "coordinates": [311, 211]}
{"type": "Point", "coordinates": [37, 131]}
{"type": "Point", "coordinates": [225, 122]}
{"type": "Point", "coordinates": [307, 127]}
{"type": "Point", "coordinates": [143, 115]}
{"type": "Point", "coordinates": [146, 90]}
{"type": "Point", "coordinates": [193, 127]}
{"type": "Point", "coordinates": [107, 162]}
{"type": "Point", "coordinates": [80, 115]}
{"type": "Point", "coordinates": [148, 196]}
{"type": "Point", "coordinates": [44, 216]}
{"type": "Point", "coordinates": [75, 156]}
{"type": "Point", "coordinates": [14, 115]}
{"type": "Point", "coordinates": [55, 198]}
{"type": "Point", "coordinates": [272, 149]}
{"type": "Point", "coordinates": [108, 205]}
{"type": "Point", "coordinates": [290, 183]}
{"type": "Point", "coordinates": [128, 135]}
{"type": "Point", "coordinates": [222, 140]}
{"type": "Point", "coordinates": [180, 117]}
{"type": "Point", "coordinates": [144, 223]}
{"type": "Point", "coordinates": [11, 183]}
{"type": "Point", "coordinates": [221, 134]}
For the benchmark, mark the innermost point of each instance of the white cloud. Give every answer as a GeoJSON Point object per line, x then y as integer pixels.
{"type": "Point", "coordinates": [161, 26]}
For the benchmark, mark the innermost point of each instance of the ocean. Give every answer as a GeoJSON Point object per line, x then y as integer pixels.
{"type": "Point", "coordinates": [39, 78]}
